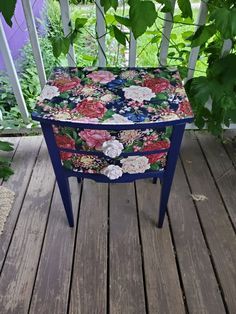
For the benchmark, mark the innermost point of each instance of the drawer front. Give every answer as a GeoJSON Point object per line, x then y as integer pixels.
{"type": "Point", "coordinates": [113, 153]}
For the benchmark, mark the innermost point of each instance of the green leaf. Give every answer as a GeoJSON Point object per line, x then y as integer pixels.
{"type": "Point", "coordinates": [108, 114]}
{"type": "Point", "coordinates": [199, 89]}
{"type": "Point", "coordinates": [5, 172]}
{"type": "Point", "coordinates": [183, 71]}
{"type": "Point", "coordinates": [119, 35]}
{"type": "Point", "coordinates": [185, 7]}
{"type": "Point", "coordinates": [142, 15]}
{"type": "Point", "coordinates": [6, 146]}
{"type": "Point", "coordinates": [155, 39]}
{"type": "Point", "coordinates": [225, 21]}
{"type": "Point", "coordinates": [107, 4]}
{"type": "Point", "coordinates": [167, 6]}
{"type": "Point", "coordinates": [231, 116]}
{"type": "Point", "coordinates": [200, 122]}
{"type": "Point", "coordinates": [88, 58]}
{"type": "Point", "coordinates": [154, 166]}
{"type": "Point", "coordinates": [80, 22]}
{"type": "Point", "coordinates": [202, 35]}
{"type": "Point", "coordinates": [65, 45]}
{"type": "Point", "coordinates": [56, 46]}
{"type": "Point", "coordinates": [123, 20]}
{"type": "Point", "coordinates": [224, 70]}
{"type": "Point", "coordinates": [7, 8]}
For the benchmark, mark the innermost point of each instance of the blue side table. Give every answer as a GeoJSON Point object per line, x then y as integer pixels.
{"type": "Point", "coordinates": [113, 125]}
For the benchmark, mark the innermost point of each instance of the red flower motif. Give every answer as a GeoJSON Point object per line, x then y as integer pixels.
{"type": "Point", "coordinates": [66, 83]}
{"type": "Point", "coordinates": [184, 107]}
{"type": "Point", "coordinates": [157, 84]}
{"type": "Point", "coordinates": [91, 108]}
{"type": "Point", "coordinates": [156, 146]}
{"type": "Point", "coordinates": [64, 141]}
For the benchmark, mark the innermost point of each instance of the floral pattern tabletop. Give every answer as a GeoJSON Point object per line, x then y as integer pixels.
{"type": "Point", "coordinates": [114, 96]}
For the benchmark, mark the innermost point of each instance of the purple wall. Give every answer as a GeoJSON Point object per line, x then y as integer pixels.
{"type": "Point", "coordinates": [17, 36]}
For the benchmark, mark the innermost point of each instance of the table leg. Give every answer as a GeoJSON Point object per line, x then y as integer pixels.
{"type": "Point", "coordinates": [62, 179]}
{"type": "Point", "coordinates": [173, 154]}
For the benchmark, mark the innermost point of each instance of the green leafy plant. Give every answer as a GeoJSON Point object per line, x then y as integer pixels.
{"type": "Point", "coordinates": [29, 83]}
{"type": "Point", "coordinates": [213, 93]}
{"type": "Point", "coordinates": [5, 169]}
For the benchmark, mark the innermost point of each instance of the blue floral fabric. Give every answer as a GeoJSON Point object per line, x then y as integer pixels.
{"type": "Point", "coordinates": [114, 96]}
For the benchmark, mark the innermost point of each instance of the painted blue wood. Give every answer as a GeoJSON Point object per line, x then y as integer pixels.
{"type": "Point", "coordinates": [101, 154]}
{"type": "Point", "coordinates": [62, 179]}
{"type": "Point", "coordinates": [62, 174]}
{"type": "Point", "coordinates": [116, 127]}
{"type": "Point", "coordinates": [172, 157]}
{"type": "Point", "coordinates": [124, 179]}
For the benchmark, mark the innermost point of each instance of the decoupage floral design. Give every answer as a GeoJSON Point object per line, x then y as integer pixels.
{"type": "Point", "coordinates": [112, 146]}
{"type": "Point", "coordinates": [114, 96]}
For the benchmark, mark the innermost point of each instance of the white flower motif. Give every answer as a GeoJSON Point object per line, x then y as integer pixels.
{"type": "Point", "coordinates": [138, 93]}
{"type": "Point", "coordinates": [107, 97]}
{"type": "Point", "coordinates": [112, 148]}
{"type": "Point", "coordinates": [112, 172]}
{"type": "Point", "coordinates": [135, 164]}
{"type": "Point", "coordinates": [118, 119]}
{"type": "Point", "coordinates": [49, 92]}
{"type": "Point", "coordinates": [169, 117]}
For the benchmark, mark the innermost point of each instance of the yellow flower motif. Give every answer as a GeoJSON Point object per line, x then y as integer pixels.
{"type": "Point", "coordinates": [129, 136]}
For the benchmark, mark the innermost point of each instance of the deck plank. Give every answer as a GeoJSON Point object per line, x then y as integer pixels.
{"type": "Point", "coordinates": [51, 290]}
{"type": "Point", "coordinates": [230, 145]}
{"type": "Point", "coordinates": [125, 266]}
{"type": "Point", "coordinates": [22, 164]}
{"type": "Point", "coordinates": [222, 169]}
{"type": "Point", "coordinates": [20, 267]}
{"type": "Point", "coordinates": [218, 230]}
{"type": "Point", "coordinates": [200, 285]}
{"type": "Point", "coordinates": [89, 274]}
{"type": "Point", "coordinates": [164, 293]}
{"type": "Point", "coordinates": [46, 264]}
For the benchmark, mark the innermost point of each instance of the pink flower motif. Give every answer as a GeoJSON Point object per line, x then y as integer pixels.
{"type": "Point", "coordinates": [102, 77]}
{"type": "Point", "coordinates": [95, 138]}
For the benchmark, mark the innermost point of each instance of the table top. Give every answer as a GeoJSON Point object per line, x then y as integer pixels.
{"type": "Point", "coordinates": [114, 96]}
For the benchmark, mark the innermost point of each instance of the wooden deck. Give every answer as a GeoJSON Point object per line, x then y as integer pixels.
{"type": "Point", "coordinates": [115, 260]}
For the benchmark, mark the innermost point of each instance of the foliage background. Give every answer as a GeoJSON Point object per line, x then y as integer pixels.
{"type": "Point", "coordinates": [215, 75]}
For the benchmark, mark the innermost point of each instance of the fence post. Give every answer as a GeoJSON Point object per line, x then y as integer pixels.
{"type": "Point", "coordinates": [11, 70]}
{"type": "Point", "coordinates": [167, 28]}
{"type": "Point", "coordinates": [101, 34]}
{"type": "Point", "coordinates": [227, 46]}
{"type": "Point", "coordinates": [34, 41]}
{"type": "Point", "coordinates": [195, 51]}
{"type": "Point", "coordinates": [132, 50]}
{"type": "Point", "coordinates": [66, 21]}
